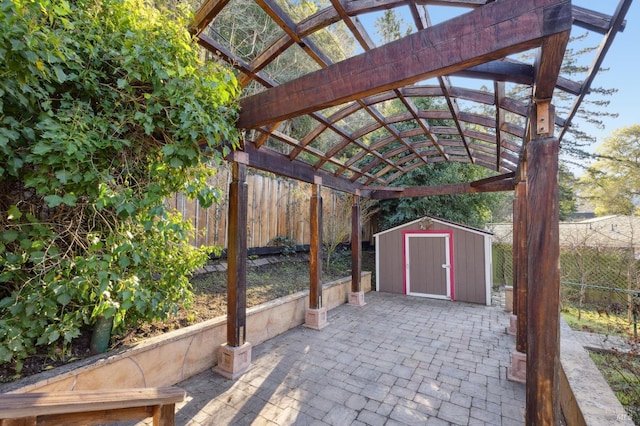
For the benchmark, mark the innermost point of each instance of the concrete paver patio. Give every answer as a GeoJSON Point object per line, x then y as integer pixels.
{"type": "Point", "coordinates": [398, 360]}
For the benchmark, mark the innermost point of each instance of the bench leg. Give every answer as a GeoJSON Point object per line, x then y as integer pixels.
{"type": "Point", "coordinates": [164, 415]}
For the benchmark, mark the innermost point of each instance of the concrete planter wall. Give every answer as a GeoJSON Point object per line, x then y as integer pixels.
{"type": "Point", "coordinates": [585, 396]}
{"type": "Point", "coordinates": [175, 356]}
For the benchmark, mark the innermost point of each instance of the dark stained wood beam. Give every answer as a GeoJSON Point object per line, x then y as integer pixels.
{"type": "Point", "coordinates": [262, 135]}
{"type": "Point", "coordinates": [285, 22]}
{"type": "Point", "coordinates": [549, 60]}
{"type": "Point", "coordinates": [237, 257]}
{"type": "Point", "coordinates": [223, 52]}
{"type": "Point", "coordinates": [501, 70]}
{"type": "Point", "coordinates": [315, 248]}
{"type": "Point", "coordinates": [498, 178]}
{"type": "Point", "coordinates": [445, 84]}
{"type": "Point", "coordinates": [479, 119]}
{"type": "Point", "coordinates": [499, 93]}
{"type": "Point", "coordinates": [593, 21]}
{"type": "Point", "coordinates": [473, 95]}
{"type": "Point", "coordinates": [272, 52]}
{"type": "Point", "coordinates": [543, 284]}
{"type": "Point", "coordinates": [205, 14]}
{"type": "Point", "coordinates": [484, 149]}
{"type": "Point", "coordinates": [454, 188]}
{"type": "Point", "coordinates": [520, 264]}
{"type": "Point", "coordinates": [369, 189]}
{"type": "Point", "coordinates": [356, 244]}
{"type": "Point", "coordinates": [486, 137]}
{"type": "Point", "coordinates": [477, 37]}
{"type": "Point", "coordinates": [540, 169]}
{"type": "Point", "coordinates": [354, 25]}
{"type": "Point", "coordinates": [275, 162]}
{"type": "Point", "coordinates": [514, 159]}
{"type": "Point", "coordinates": [505, 71]}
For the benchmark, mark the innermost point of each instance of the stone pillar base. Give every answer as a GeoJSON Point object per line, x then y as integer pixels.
{"type": "Point", "coordinates": [518, 370]}
{"type": "Point", "coordinates": [508, 298]}
{"type": "Point", "coordinates": [315, 318]}
{"type": "Point", "coordinates": [513, 325]}
{"type": "Point", "coordinates": [233, 361]}
{"type": "Point", "coordinates": [356, 298]}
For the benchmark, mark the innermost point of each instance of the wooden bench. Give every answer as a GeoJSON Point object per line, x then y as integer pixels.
{"type": "Point", "coordinates": [80, 408]}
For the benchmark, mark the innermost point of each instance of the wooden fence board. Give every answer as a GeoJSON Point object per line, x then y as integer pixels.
{"type": "Point", "coordinates": [190, 213]}
{"type": "Point", "coordinates": [276, 208]}
{"type": "Point", "coordinates": [286, 197]}
{"type": "Point", "coordinates": [262, 215]}
{"type": "Point", "coordinates": [281, 206]}
{"type": "Point", "coordinates": [273, 208]}
{"type": "Point", "coordinates": [251, 206]}
{"type": "Point", "coordinates": [203, 226]}
{"type": "Point", "coordinates": [212, 226]}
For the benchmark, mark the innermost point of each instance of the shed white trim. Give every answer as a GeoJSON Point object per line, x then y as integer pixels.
{"type": "Point", "coordinates": [441, 222]}
{"type": "Point", "coordinates": [488, 267]}
{"type": "Point", "coordinates": [377, 263]}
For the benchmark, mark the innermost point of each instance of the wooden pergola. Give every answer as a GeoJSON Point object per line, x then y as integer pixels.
{"type": "Point", "coordinates": [355, 122]}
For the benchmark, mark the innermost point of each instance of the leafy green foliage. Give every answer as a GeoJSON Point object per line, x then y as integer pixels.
{"type": "Point", "coordinates": [612, 183]}
{"type": "Point", "coordinates": [567, 182]}
{"type": "Point", "coordinates": [390, 27]}
{"type": "Point", "coordinates": [622, 373]}
{"type": "Point", "coordinates": [105, 110]}
{"type": "Point", "coordinates": [287, 244]}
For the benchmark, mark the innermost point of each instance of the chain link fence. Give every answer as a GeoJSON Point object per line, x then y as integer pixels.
{"type": "Point", "coordinates": [604, 280]}
{"type": "Point", "coordinates": [600, 291]}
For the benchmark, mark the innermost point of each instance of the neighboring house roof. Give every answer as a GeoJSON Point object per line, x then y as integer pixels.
{"type": "Point", "coordinates": [606, 231]}
{"type": "Point", "coordinates": [440, 221]}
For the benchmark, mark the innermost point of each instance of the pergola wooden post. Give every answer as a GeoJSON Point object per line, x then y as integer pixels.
{"type": "Point", "coordinates": [543, 274]}
{"type": "Point", "coordinates": [521, 259]}
{"type": "Point", "coordinates": [518, 370]}
{"type": "Point", "coordinates": [356, 296]}
{"type": "Point", "coordinates": [316, 314]}
{"type": "Point", "coordinates": [234, 358]}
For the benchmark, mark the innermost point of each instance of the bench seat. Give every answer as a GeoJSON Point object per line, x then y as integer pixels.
{"type": "Point", "coordinates": [90, 407]}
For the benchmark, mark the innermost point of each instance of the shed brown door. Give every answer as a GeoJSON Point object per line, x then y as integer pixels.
{"type": "Point", "coordinates": [427, 265]}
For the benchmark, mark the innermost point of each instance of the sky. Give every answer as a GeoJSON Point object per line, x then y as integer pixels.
{"type": "Point", "coordinates": [623, 61]}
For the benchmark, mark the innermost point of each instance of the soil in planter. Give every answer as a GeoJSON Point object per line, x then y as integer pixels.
{"type": "Point", "coordinates": [284, 275]}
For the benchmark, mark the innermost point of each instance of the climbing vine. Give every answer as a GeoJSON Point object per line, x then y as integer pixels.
{"type": "Point", "coordinates": [105, 110]}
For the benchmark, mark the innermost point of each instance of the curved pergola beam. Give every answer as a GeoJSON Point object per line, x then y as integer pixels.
{"type": "Point", "coordinates": [487, 35]}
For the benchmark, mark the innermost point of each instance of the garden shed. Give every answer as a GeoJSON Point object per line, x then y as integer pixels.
{"type": "Point", "coordinates": [434, 258]}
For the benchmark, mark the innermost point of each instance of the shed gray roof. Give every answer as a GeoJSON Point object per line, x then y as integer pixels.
{"type": "Point", "coordinates": [440, 221]}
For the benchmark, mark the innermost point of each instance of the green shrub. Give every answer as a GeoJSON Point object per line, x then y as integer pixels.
{"type": "Point", "coordinates": [287, 243]}
{"type": "Point", "coordinates": [105, 110]}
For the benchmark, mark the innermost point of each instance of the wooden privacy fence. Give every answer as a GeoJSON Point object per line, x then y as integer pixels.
{"type": "Point", "coordinates": [278, 207]}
